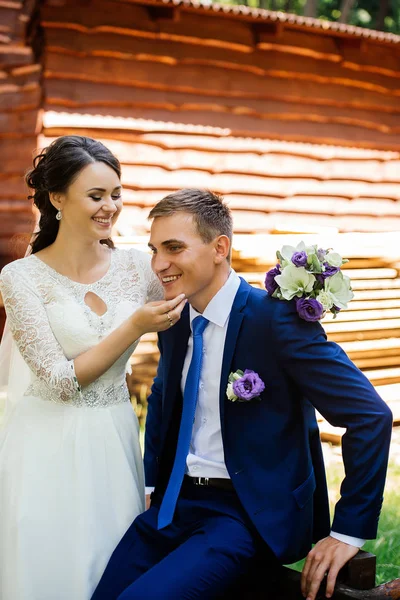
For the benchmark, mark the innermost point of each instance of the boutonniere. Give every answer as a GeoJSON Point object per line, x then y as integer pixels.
{"type": "Point", "coordinates": [243, 387]}
{"type": "Point", "coordinates": [312, 277]}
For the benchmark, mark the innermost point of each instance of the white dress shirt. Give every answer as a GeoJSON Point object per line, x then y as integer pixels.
{"type": "Point", "coordinates": [206, 452]}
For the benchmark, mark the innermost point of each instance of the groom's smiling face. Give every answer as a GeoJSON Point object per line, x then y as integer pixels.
{"type": "Point", "coordinates": [183, 262]}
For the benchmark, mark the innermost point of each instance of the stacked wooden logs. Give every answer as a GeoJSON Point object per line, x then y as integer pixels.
{"type": "Point", "coordinates": [20, 100]}
{"type": "Point", "coordinates": [271, 186]}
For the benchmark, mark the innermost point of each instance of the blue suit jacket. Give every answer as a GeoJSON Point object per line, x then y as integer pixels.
{"type": "Point", "coordinates": [272, 448]}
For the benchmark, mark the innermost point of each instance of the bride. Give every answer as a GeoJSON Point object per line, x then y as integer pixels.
{"type": "Point", "coordinates": [71, 478]}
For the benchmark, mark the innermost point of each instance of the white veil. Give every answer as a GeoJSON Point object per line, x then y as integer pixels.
{"type": "Point", "coordinates": [15, 375]}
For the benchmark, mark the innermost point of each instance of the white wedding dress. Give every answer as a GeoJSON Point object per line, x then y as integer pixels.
{"type": "Point", "coordinates": [71, 478]}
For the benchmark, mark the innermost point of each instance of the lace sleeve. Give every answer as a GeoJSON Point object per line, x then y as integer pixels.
{"type": "Point", "coordinates": [34, 338]}
{"type": "Point", "coordinates": [154, 289]}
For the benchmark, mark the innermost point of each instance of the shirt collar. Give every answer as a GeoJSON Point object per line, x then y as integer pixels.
{"type": "Point", "coordinates": [218, 309]}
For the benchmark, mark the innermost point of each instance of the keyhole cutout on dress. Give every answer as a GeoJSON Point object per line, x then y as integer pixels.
{"type": "Point", "coordinates": [96, 304]}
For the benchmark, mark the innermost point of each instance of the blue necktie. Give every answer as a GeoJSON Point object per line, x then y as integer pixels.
{"type": "Point", "coordinates": [190, 393]}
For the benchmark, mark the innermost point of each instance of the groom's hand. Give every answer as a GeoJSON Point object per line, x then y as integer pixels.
{"type": "Point", "coordinates": [328, 556]}
{"type": "Point", "coordinates": [148, 501]}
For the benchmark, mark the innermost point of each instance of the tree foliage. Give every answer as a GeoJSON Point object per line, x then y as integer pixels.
{"type": "Point", "coordinates": [374, 14]}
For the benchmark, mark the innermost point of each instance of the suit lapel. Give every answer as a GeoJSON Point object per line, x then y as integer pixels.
{"type": "Point", "coordinates": [175, 345]}
{"type": "Point", "coordinates": [235, 322]}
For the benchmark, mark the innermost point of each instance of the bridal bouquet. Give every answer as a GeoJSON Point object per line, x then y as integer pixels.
{"type": "Point", "coordinates": [312, 277]}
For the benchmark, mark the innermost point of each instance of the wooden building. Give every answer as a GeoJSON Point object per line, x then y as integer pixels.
{"type": "Point", "coordinates": [296, 121]}
{"type": "Point", "coordinates": [20, 102]}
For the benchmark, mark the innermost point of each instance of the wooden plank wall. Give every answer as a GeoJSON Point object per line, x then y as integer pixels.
{"type": "Point", "coordinates": [252, 77]}
{"type": "Point", "coordinates": [20, 99]}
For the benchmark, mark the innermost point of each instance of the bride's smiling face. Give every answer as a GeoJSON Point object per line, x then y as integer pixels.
{"type": "Point", "coordinates": [92, 203]}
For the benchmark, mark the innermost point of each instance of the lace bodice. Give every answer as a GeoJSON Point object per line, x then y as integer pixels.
{"type": "Point", "coordinates": [52, 325]}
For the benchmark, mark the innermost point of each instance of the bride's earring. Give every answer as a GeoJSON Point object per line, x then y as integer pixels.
{"type": "Point", "coordinates": [59, 215]}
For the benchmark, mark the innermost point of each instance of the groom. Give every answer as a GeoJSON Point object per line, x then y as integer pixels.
{"type": "Point", "coordinates": [239, 479]}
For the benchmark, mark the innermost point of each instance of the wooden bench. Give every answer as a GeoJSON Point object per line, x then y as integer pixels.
{"type": "Point", "coordinates": [356, 581]}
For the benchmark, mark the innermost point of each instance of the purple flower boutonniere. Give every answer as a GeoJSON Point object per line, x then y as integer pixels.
{"type": "Point", "coordinates": [243, 387]}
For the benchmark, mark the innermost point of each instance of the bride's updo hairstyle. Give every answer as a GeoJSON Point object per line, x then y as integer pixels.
{"type": "Point", "coordinates": [54, 169]}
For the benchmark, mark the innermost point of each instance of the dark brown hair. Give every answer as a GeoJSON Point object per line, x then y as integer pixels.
{"type": "Point", "coordinates": [210, 214]}
{"type": "Point", "coordinates": [54, 169]}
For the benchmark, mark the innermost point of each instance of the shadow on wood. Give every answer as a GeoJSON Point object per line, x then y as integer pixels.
{"type": "Point", "coordinates": [356, 581]}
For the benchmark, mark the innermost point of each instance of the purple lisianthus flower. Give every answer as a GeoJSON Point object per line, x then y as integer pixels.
{"type": "Point", "coordinates": [309, 309]}
{"type": "Point", "coordinates": [249, 386]}
{"type": "Point", "coordinates": [270, 283]}
{"type": "Point", "coordinates": [329, 271]}
{"type": "Point", "coordinates": [299, 259]}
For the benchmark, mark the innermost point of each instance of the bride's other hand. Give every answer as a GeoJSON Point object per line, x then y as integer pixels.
{"type": "Point", "coordinates": [160, 315]}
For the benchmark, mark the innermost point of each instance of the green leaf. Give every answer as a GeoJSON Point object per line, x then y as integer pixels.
{"type": "Point", "coordinates": [315, 264]}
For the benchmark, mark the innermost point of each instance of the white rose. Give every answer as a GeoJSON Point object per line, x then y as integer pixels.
{"type": "Point", "coordinates": [230, 393]}
{"type": "Point", "coordinates": [325, 299]}
{"type": "Point", "coordinates": [295, 281]}
{"type": "Point", "coordinates": [334, 259]}
{"type": "Point", "coordinates": [339, 289]}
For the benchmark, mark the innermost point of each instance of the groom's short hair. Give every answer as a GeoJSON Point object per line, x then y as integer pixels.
{"type": "Point", "coordinates": [210, 213]}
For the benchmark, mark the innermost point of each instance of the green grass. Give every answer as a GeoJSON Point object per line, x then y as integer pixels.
{"type": "Point", "coordinates": [387, 545]}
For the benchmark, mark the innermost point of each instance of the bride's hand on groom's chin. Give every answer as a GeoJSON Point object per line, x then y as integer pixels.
{"type": "Point", "coordinates": [158, 315]}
